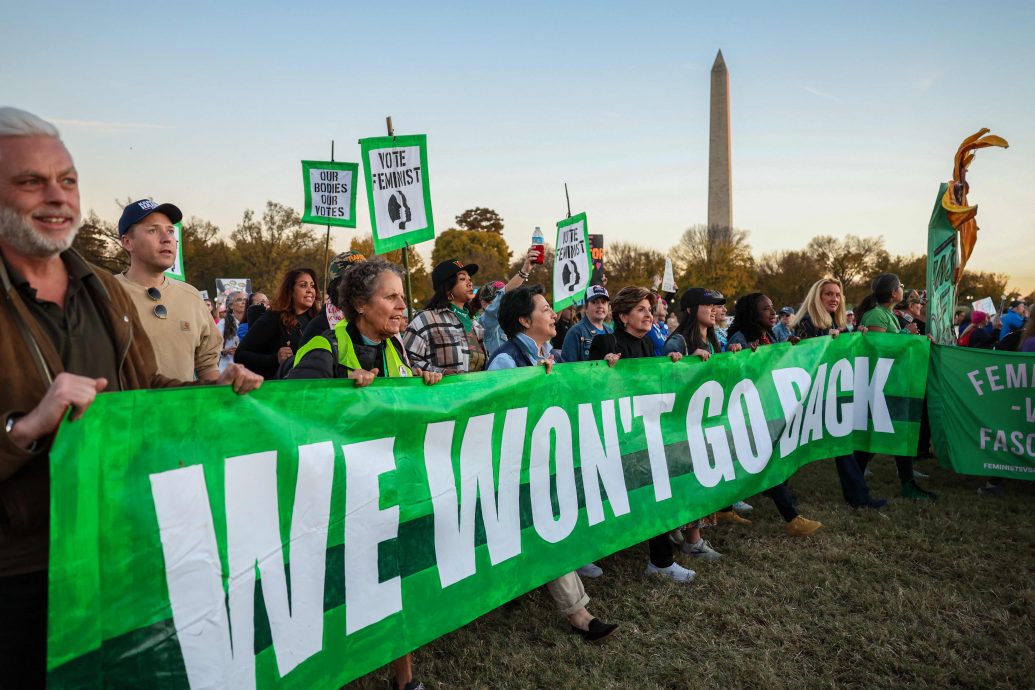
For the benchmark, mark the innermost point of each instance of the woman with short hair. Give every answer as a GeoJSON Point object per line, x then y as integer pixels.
{"type": "Point", "coordinates": [529, 323]}
{"type": "Point", "coordinates": [633, 309]}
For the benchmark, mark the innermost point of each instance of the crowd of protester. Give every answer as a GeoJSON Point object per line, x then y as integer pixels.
{"type": "Point", "coordinates": [80, 331]}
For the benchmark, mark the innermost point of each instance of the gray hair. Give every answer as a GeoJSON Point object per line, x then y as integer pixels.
{"type": "Point", "coordinates": [359, 282]}
{"type": "Point", "coordinates": [20, 123]}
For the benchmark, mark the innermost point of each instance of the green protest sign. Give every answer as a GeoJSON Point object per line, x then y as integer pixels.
{"type": "Point", "coordinates": [349, 526]}
{"type": "Point", "coordinates": [982, 410]}
{"type": "Point", "coordinates": [942, 260]}
{"type": "Point", "coordinates": [396, 170]}
{"type": "Point", "coordinates": [330, 197]}
{"type": "Point", "coordinates": [572, 263]}
{"type": "Point", "coordinates": [176, 271]}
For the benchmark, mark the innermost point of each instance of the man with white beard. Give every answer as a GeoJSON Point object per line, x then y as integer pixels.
{"type": "Point", "coordinates": [67, 332]}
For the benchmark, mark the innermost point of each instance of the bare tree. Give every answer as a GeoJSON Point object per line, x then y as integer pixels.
{"type": "Point", "coordinates": [715, 257]}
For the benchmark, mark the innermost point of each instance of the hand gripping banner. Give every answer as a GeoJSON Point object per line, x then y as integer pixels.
{"type": "Point", "coordinates": [305, 534]}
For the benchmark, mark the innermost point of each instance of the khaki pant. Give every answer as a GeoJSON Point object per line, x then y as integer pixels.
{"type": "Point", "coordinates": [568, 592]}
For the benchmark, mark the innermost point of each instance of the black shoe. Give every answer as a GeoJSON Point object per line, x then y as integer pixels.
{"type": "Point", "coordinates": [412, 685]}
{"type": "Point", "coordinates": [597, 630]}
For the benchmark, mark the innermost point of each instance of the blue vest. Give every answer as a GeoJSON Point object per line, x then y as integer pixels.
{"type": "Point", "coordinates": [516, 352]}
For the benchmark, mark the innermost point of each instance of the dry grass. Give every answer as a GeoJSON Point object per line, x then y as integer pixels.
{"type": "Point", "coordinates": [922, 595]}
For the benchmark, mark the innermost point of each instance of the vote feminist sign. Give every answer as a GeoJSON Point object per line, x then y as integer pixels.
{"type": "Point", "coordinates": [396, 170]}
{"type": "Point", "coordinates": [572, 265]}
{"type": "Point", "coordinates": [329, 197]}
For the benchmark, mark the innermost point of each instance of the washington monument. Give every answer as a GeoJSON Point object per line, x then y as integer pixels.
{"type": "Point", "coordinates": [720, 196]}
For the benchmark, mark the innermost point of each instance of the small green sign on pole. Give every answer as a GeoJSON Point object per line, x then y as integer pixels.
{"type": "Point", "coordinates": [329, 193]}
{"type": "Point", "coordinates": [572, 264]}
{"type": "Point", "coordinates": [176, 271]}
{"type": "Point", "coordinates": [396, 171]}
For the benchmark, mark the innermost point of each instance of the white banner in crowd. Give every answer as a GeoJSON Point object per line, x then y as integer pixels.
{"type": "Point", "coordinates": [572, 265]}
{"type": "Point", "coordinates": [668, 283]}
{"type": "Point", "coordinates": [396, 171]}
{"type": "Point", "coordinates": [986, 305]}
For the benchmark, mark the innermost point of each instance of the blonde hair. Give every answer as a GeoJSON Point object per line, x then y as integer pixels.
{"type": "Point", "coordinates": [813, 306]}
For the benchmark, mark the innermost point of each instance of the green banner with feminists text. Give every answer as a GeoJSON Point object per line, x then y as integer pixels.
{"type": "Point", "coordinates": [982, 409]}
{"type": "Point", "coordinates": [305, 534]}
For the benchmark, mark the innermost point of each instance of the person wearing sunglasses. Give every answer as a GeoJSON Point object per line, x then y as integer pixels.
{"type": "Point", "coordinates": [185, 338]}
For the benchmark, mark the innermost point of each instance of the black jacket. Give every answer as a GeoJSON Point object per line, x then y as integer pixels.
{"type": "Point", "coordinates": [258, 349]}
{"type": "Point", "coordinates": [621, 343]}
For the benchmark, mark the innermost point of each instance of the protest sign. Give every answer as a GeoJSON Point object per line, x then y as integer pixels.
{"type": "Point", "coordinates": [982, 410]}
{"type": "Point", "coordinates": [204, 294]}
{"type": "Point", "coordinates": [330, 193]}
{"type": "Point", "coordinates": [668, 282]}
{"type": "Point", "coordinates": [986, 305]}
{"type": "Point", "coordinates": [338, 535]}
{"type": "Point", "coordinates": [396, 171]}
{"type": "Point", "coordinates": [942, 261]}
{"type": "Point", "coordinates": [224, 286]}
{"type": "Point", "coordinates": [176, 271]}
{"type": "Point", "coordinates": [596, 251]}
{"type": "Point", "coordinates": [571, 264]}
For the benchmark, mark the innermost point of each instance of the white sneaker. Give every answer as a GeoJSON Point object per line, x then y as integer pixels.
{"type": "Point", "coordinates": [590, 570]}
{"type": "Point", "coordinates": [702, 550]}
{"type": "Point", "coordinates": [742, 507]}
{"type": "Point", "coordinates": [676, 536]}
{"type": "Point", "coordinates": [917, 474]}
{"type": "Point", "coordinates": [674, 572]}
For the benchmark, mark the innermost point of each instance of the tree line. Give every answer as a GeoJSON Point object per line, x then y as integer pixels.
{"type": "Point", "coordinates": [264, 247]}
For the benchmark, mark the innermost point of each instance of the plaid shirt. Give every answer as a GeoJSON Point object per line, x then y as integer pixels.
{"type": "Point", "coordinates": [435, 340]}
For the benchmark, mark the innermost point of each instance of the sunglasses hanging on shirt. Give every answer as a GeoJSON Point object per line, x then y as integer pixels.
{"type": "Point", "coordinates": [159, 311]}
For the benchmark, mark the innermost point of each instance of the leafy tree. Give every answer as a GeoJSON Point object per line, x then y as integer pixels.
{"type": "Point", "coordinates": [715, 257]}
{"type": "Point", "coordinates": [265, 249]}
{"type": "Point", "coordinates": [480, 220]}
{"type": "Point", "coordinates": [487, 249]}
{"type": "Point", "coordinates": [628, 264]}
{"type": "Point", "coordinates": [977, 285]}
{"type": "Point", "coordinates": [206, 256]}
{"type": "Point", "coordinates": [98, 242]}
{"type": "Point", "coordinates": [855, 261]}
{"type": "Point", "coordinates": [420, 279]}
{"type": "Point", "coordinates": [786, 276]}
{"type": "Point", "coordinates": [911, 270]}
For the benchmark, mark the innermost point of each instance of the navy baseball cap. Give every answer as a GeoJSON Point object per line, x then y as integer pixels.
{"type": "Point", "coordinates": [596, 292]}
{"type": "Point", "coordinates": [139, 210]}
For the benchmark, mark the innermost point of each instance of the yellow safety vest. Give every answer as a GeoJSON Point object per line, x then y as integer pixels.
{"type": "Point", "coordinates": [347, 358]}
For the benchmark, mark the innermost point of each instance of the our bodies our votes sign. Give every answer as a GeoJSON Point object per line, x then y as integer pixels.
{"type": "Point", "coordinates": [176, 270]}
{"type": "Point", "coordinates": [329, 193]}
{"type": "Point", "coordinates": [572, 265]}
{"type": "Point", "coordinates": [396, 171]}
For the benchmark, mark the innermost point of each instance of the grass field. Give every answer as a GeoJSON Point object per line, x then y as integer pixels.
{"type": "Point", "coordinates": [921, 595]}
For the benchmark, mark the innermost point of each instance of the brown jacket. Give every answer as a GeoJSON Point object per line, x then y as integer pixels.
{"type": "Point", "coordinates": [28, 362]}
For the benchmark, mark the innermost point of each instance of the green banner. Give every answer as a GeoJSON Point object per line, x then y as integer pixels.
{"type": "Point", "coordinates": [942, 260]}
{"type": "Point", "coordinates": [330, 195]}
{"type": "Point", "coordinates": [982, 410]}
{"type": "Point", "coordinates": [307, 533]}
{"type": "Point", "coordinates": [398, 190]}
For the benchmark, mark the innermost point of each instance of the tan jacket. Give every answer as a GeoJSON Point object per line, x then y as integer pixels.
{"type": "Point", "coordinates": [28, 362]}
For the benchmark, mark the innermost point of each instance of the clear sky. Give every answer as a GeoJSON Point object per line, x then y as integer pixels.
{"type": "Point", "coordinates": [845, 116]}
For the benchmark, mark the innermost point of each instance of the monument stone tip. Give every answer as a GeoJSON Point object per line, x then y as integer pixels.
{"type": "Point", "coordinates": [720, 64]}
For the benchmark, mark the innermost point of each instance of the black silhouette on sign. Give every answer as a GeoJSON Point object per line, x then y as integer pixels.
{"type": "Point", "coordinates": [570, 275]}
{"type": "Point", "coordinates": [398, 210]}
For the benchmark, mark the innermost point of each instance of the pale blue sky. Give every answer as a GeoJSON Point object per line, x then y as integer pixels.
{"type": "Point", "coordinates": [845, 116]}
